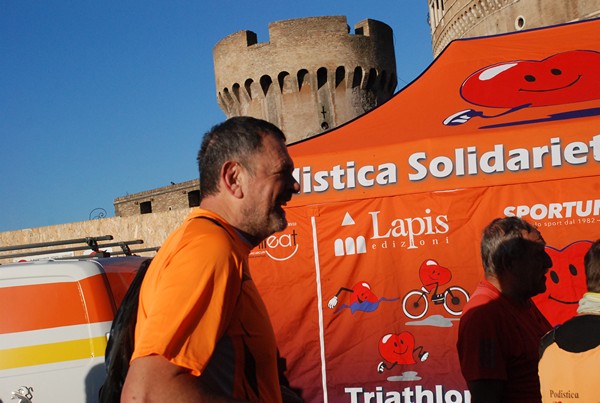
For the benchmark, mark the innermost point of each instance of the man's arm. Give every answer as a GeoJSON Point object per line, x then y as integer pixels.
{"type": "Point", "coordinates": [155, 379]}
{"type": "Point", "coordinates": [487, 390]}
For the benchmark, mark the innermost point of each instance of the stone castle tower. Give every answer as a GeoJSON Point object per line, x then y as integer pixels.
{"type": "Point", "coordinates": [453, 19]}
{"type": "Point", "coordinates": [311, 76]}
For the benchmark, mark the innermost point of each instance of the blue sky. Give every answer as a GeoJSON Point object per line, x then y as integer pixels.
{"type": "Point", "coordinates": [100, 99]}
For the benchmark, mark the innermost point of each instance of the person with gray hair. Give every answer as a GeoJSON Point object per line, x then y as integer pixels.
{"type": "Point", "coordinates": [570, 353]}
{"type": "Point", "coordinates": [202, 331]}
{"type": "Point", "coordinates": [500, 328]}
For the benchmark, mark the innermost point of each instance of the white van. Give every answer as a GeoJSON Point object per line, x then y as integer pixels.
{"type": "Point", "coordinates": [54, 320]}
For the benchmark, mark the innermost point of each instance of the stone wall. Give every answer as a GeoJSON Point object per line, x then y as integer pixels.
{"type": "Point", "coordinates": [167, 198]}
{"type": "Point", "coordinates": [153, 229]}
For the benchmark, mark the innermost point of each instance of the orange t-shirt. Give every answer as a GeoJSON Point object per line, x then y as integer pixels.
{"type": "Point", "coordinates": [570, 361]}
{"type": "Point", "coordinates": [569, 377]}
{"type": "Point", "coordinates": [200, 309]}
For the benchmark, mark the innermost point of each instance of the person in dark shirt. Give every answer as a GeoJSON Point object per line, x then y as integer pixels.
{"type": "Point", "coordinates": [500, 328]}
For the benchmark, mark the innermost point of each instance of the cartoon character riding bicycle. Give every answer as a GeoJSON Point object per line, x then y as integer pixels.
{"type": "Point", "coordinates": [416, 303]}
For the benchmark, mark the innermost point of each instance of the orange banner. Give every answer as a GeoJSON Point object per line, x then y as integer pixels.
{"type": "Point", "coordinates": [383, 244]}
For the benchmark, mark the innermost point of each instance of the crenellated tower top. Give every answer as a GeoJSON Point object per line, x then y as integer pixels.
{"type": "Point", "coordinates": [312, 75]}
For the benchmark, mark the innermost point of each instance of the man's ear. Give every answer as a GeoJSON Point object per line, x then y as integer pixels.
{"type": "Point", "coordinates": [231, 178]}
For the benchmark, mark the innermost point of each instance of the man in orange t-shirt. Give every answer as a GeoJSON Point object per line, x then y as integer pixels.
{"type": "Point", "coordinates": [203, 333]}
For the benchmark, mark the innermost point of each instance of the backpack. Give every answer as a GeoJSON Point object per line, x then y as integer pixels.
{"type": "Point", "coordinates": [120, 343]}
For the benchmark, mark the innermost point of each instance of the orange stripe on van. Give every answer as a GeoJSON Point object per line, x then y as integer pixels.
{"type": "Point", "coordinates": [52, 353]}
{"type": "Point", "coordinates": [43, 306]}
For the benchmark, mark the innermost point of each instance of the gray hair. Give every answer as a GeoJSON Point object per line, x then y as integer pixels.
{"type": "Point", "coordinates": [238, 138]}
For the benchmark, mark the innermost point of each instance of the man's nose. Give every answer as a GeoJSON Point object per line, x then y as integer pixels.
{"type": "Point", "coordinates": [295, 185]}
{"type": "Point", "coordinates": [547, 261]}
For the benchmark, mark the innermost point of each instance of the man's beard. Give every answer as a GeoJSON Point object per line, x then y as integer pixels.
{"type": "Point", "coordinates": [259, 228]}
{"type": "Point", "coordinates": [278, 219]}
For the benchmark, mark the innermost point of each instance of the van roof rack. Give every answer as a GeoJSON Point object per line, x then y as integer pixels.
{"type": "Point", "coordinates": [90, 242]}
{"type": "Point", "coordinates": [135, 251]}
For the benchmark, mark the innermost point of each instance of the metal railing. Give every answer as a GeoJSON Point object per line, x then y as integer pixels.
{"type": "Point", "coordinates": [92, 243]}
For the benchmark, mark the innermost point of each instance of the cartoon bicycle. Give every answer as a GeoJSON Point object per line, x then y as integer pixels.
{"type": "Point", "coordinates": [416, 303]}
{"type": "Point", "coordinates": [432, 275]}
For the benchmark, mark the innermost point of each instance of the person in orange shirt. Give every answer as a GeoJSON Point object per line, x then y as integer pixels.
{"type": "Point", "coordinates": [570, 353]}
{"type": "Point", "coordinates": [202, 331]}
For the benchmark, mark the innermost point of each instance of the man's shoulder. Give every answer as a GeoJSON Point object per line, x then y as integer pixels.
{"type": "Point", "coordinates": [200, 232]}
{"type": "Point", "coordinates": [484, 311]}
{"type": "Point", "coordinates": [484, 298]}
{"type": "Point", "coordinates": [208, 236]}
{"type": "Point", "coordinates": [205, 222]}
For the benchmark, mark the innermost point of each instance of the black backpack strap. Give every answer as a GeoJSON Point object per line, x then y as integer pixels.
{"type": "Point", "coordinates": [216, 222]}
{"type": "Point", "coordinates": [120, 343]}
{"type": "Point", "coordinates": [547, 340]}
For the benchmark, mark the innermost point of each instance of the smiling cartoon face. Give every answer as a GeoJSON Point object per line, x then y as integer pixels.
{"type": "Point", "coordinates": [559, 79]}
{"type": "Point", "coordinates": [362, 292]}
{"type": "Point", "coordinates": [565, 283]}
{"type": "Point", "coordinates": [397, 348]}
{"type": "Point", "coordinates": [432, 274]}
